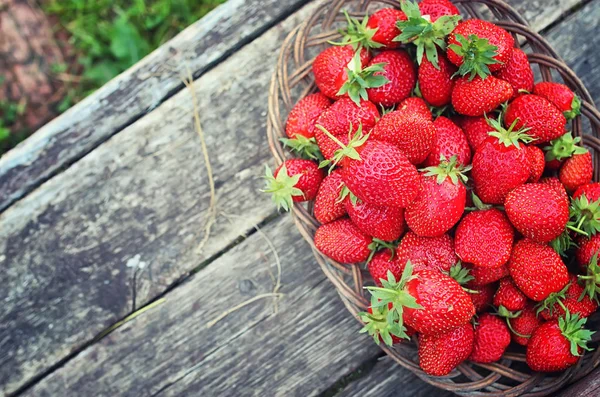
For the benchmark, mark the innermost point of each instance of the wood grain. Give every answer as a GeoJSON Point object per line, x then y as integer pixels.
{"type": "Point", "coordinates": [586, 387]}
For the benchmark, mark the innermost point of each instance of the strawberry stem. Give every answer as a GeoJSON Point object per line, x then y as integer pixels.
{"type": "Point", "coordinates": [508, 136]}
{"type": "Point", "coordinates": [477, 54]}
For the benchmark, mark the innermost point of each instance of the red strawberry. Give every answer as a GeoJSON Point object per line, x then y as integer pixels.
{"type": "Point", "coordinates": [441, 201]}
{"type": "Point", "coordinates": [475, 128]}
{"type": "Point", "coordinates": [330, 68]}
{"type": "Point", "coordinates": [400, 72]}
{"type": "Point", "coordinates": [382, 263]}
{"type": "Point", "coordinates": [338, 119]}
{"type": "Point", "coordinates": [415, 105]}
{"type": "Point", "coordinates": [437, 8]}
{"type": "Point", "coordinates": [557, 344]}
{"type": "Point", "coordinates": [294, 180]}
{"type": "Point", "coordinates": [484, 238]}
{"type": "Point", "coordinates": [576, 171]}
{"type": "Point", "coordinates": [471, 46]}
{"type": "Point", "coordinates": [586, 249]}
{"type": "Point", "coordinates": [450, 141]}
{"type": "Point", "coordinates": [572, 298]}
{"type": "Point", "coordinates": [523, 325]}
{"type": "Point", "coordinates": [562, 148]}
{"type": "Point", "coordinates": [478, 96]}
{"type": "Point", "coordinates": [436, 83]}
{"type": "Point", "coordinates": [509, 296]}
{"type": "Point", "coordinates": [544, 120]}
{"type": "Point", "coordinates": [342, 241]}
{"type": "Point", "coordinates": [537, 163]}
{"type": "Point", "coordinates": [556, 185]}
{"type": "Point", "coordinates": [537, 269]}
{"type": "Point", "coordinates": [517, 72]}
{"type": "Point", "coordinates": [486, 275]}
{"type": "Point", "coordinates": [440, 354]}
{"type": "Point", "coordinates": [328, 207]}
{"type": "Point", "coordinates": [492, 337]}
{"type": "Point", "coordinates": [384, 21]}
{"type": "Point", "coordinates": [590, 190]}
{"type": "Point", "coordinates": [482, 296]}
{"type": "Point", "coordinates": [413, 134]}
{"type": "Point", "coordinates": [427, 252]}
{"type": "Point", "coordinates": [384, 223]}
{"type": "Point", "coordinates": [537, 211]}
{"type": "Point", "coordinates": [561, 96]}
{"type": "Point", "coordinates": [500, 164]}
{"type": "Point", "coordinates": [302, 118]}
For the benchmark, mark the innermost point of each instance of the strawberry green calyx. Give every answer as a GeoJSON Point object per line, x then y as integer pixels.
{"type": "Point", "coordinates": [462, 276]}
{"type": "Point", "coordinates": [378, 245]}
{"type": "Point", "coordinates": [282, 187]}
{"type": "Point", "coordinates": [306, 147]}
{"type": "Point", "coordinates": [382, 323]}
{"type": "Point", "coordinates": [508, 315]}
{"type": "Point", "coordinates": [571, 327]}
{"type": "Point", "coordinates": [584, 216]}
{"type": "Point", "coordinates": [345, 192]}
{"type": "Point", "coordinates": [448, 169]}
{"type": "Point", "coordinates": [360, 79]}
{"type": "Point", "coordinates": [563, 147]}
{"type": "Point", "coordinates": [477, 54]}
{"type": "Point", "coordinates": [575, 109]}
{"type": "Point", "coordinates": [426, 35]}
{"type": "Point", "coordinates": [357, 34]}
{"type": "Point", "coordinates": [348, 150]}
{"type": "Point", "coordinates": [508, 136]}
{"type": "Point", "coordinates": [563, 243]}
{"type": "Point", "coordinates": [553, 299]}
{"type": "Point", "coordinates": [591, 280]}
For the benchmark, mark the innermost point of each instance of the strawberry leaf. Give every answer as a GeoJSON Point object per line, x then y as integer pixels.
{"type": "Point", "coordinates": [306, 147]}
{"type": "Point", "coordinates": [282, 187]}
{"type": "Point", "coordinates": [563, 147]}
{"type": "Point", "coordinates": [357, 34]}
{"type": "Point", "coordinates": [476, 53]}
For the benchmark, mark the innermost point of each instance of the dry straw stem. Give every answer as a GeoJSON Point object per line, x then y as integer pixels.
{"type": "Point", "coordinates": [129, 318]}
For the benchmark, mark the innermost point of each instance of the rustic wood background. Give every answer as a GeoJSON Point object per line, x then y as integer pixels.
{"type": "Point", "coordinates": [101, 214]}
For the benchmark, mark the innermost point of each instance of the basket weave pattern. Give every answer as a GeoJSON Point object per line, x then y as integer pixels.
{"type": "Point", "coordinates": [293, 80]}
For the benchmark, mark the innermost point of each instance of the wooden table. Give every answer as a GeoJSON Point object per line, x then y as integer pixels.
{"type": "Point", "coordinates": [102, 213]}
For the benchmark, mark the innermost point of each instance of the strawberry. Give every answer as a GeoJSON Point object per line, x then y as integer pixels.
{"type": "Point", "coordinates": [556, 185]}
{"type": "Point", "coordinates": [590, 190]}
{"type": "Point", "coordinates": [384, 223]}
{"type": "Point", "coordinates": [537, 270]}
{"type": "Point", "coordinates": [330, 68]}
{"type": "Point", "coordinates": [437, 9]}
{"type": "Point", "coordinates": [484, 238]}
{"type": "Point", "coordinates": [441, 201]}
{"type": "Point", "coordinates": [591, 281]}
{"type": "Point", "coordinates": [427, 252]}
{"type": "Point", "coordinates": [304, 114]}
{"type": "Point", "coordinates": [295, 180]}
{"type": "Point", "coordinates": [562, 148]}
{"type": "Point", "coordinates": [436, 83]}
{"type": "Point", "coordinates": [586, 249]}
{"type": "Point", "coordinates": [479, 96]}
{"type": "Point", "coordinates": [536, 163]}
{"type": "Point", "coordinates": [585, 210]}
{"type": "Point", "coordinates": [517, 72]}
{"type": "Point", "coordinates": [557, 344]}
{"type": "Point", "coordinates": [384, 21]}
{"type": "Point", "coordinates": [561, 96]}
{"type": "Point", "coordinates": [342, 241]}
{"type": "Point", "coordinates": [400, 72]}
{"type": "Point", "coordinates": [381, 324]}
{"type": "Point", "coordinates": [450, 141]}
{"type": "Point", "coordinates": [524, 324]}
{"type": "Point", "coordinates": [416, 106]}
{"type": "Point", "coordinates": [482, 296]}
{"type": "Point", "coordinates": [544, 120]}
{"type": "Point", "coordinates": [360, 78]}
{"type": "Point", "coordinates": [342, 119]}
{"type": "Point", "coordinates": [485, 275]}
{"type": "Point", "coordinates": [475, 128]}
{"type": "Point", "coordinates": [537, 211]}
{"type": "Point", "coordinates": [440, 354]}
{"type": "Point", "coordinates": [509, 296]}
{"type": "Point", "coordinates": [571, 298]}
{"type": "Point", "coordinates": [328, 207]}
{"type": "Point", "coordinates": [479, 47]}
{"type": "Point", "coordinates": [413, 134]}
{"type": "Point", "coordinates": [492, 337]}
{"type": "Point", "coordinates": [500, 163]}
{"type": "Point", "coordinates": [382, 263]}
{"type": "Point", "coordinates": [576, 171]}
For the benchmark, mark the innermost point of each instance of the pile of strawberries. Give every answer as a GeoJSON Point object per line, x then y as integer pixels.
{"type": "Point", "coordinates": [432, 156]}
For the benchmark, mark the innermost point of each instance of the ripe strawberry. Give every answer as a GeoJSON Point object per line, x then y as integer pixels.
{"type": "Point", "coordinates": [342, 241]}
{"type": "Point", "coordinates": [576, 171]}
{"type": "Point", "coordinates": [485, 275]}
{"type": "Point", "coordinates": [440, 354]}
{"type": "Point", "coordinates": [380, 328]}
{"type": "Point", "coordinates": [441, 201]}
{"type": "Point", "coordinates": [475, 128]}
{"type": "Point", "coordinates": [450, 141]}
{"type": "Point", "coordinates": [484, 238]}
{"type": "Point", "coordinates": [382, 263]}
{"type": "Point", "coordinates": [295, 180]}
{"type": "Point", "coordinates": [509, 296]}
{"type": "Point", "coordinates": [562, 148]}
{"type": "Point", "coordinates": [557, 344]}
{"type": "Point", "coordinates": [384, 21]}
{"type": "Point", "coordinates": [523, 325]}
{"type": "Point", "coordinates": [479, 96]}
{"type": "Point", "coordinates": [536, 163]}
{"type": "Point", "coordinates": [492, 337]}
{"type": "Point", "coordinates": [339, 118]}
{"type": "Point", "coordinates": [328, 207]}
{"type": "Point", "coordinates": [587, 247]}
{"type": "Point", "coordinates": [415, 105]}
{"type": "Point", "coordinates": [561, 96]}
{"type": "Point", "coordinates": [572, 298]}
{"type": "Point", "coordinates": [330, 68]}
{"type": "Point", "coordinates": [500, 163]}
{"type": "Point", "coordinates": [556, 185]}
{"type": "Point", "coordinates": [303, 116]}
{"type": "Point", "coordinates": [427, 252]}
{"type": "Point", "coordinates": [537, 270]}
{"type": "Point", "coordinates": [544, 120]}
{"type": "Point", "coordinates": [413, 134]}
{"type": "Point", "coordinates": [384, 223]}
{"type": "Point", "coordinates": [482, 296]}
{"type": "Point", "coordinates": [590, 190]}
{"type": "Point", "coordinates": [537, 211]}
{"type": "Point", "coordinates": [399, 70]}
{"type": "Point", "coordinates": [437, 8]}
{"type": "Point", "coordinates": [436, 83]}
{"type": "Point", "coordinates": [479, 47]}
{"type": "Point", "coordinates": [517, 72]}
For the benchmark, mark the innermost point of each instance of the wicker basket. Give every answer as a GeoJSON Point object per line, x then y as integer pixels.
{"type": "Point", "coordinates": [293, 80]}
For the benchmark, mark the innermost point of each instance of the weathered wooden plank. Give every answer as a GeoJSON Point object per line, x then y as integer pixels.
{"type": "Point", "coordinates": [135, 92]}
{"type": "Point", "coordinates": [586, 387]}
{"type": "Point", "coordinates": [136, 205]}
{"type": "Point", "coordinates": [542, 13]}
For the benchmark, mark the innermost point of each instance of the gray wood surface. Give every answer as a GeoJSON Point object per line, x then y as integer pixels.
{"type": "Point", "coordinates": [586, 387]}
{"type": "Point", "coordinates": [135, 92]}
